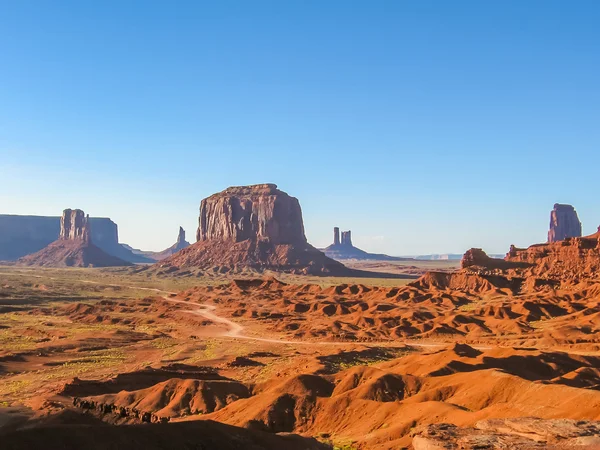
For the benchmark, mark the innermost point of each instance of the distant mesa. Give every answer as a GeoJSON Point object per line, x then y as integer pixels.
{"type": "Point", "coordinates": [180, 244]}
{"type": "Point", "coordinates": [74, 246]}
{"type": "Point", "coordinates": [342, 249]}
{"type": "Point", "coordinates": [564, 223]}
{"type": "Point", "coordinates": [257, 228]}
{"type": "Point", "coordinates": [24, 235]}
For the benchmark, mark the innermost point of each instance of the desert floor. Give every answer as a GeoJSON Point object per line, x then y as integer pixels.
{"type": "Point", "coordinates": [347, 363]}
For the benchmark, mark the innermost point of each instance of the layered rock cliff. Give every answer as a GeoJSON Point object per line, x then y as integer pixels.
{"type": "Point", "coordinates": [251, 212]}
{"type": "Point", "coordinates": [253, 228]}
{"type": "Point", "coordinates": [564, 223]}
{"type": "Point", "coordinates": [74, 246]}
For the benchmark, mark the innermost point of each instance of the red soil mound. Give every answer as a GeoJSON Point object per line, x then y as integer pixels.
{"type": "Point", "coordinates": [462, 385]}
{"type": "Point", "coordinates": [172, 398]}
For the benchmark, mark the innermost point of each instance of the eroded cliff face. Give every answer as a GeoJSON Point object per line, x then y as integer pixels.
{"type": "Point", "coordinates": [74, 225]}
{"type": "Point", "coordinates": [564, 223]}
{"type": "Point", "coordinates": [260, 212]}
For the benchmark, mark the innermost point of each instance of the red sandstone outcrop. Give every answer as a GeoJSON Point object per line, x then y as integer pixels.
{"type": "Point", "coordinates": [342, 250]}
{"type": "Point", "coordinates": [517, 433]}
{"type": "Point", "coordinates": [477, 258]}
{"type": "Point", "coordinates": [569, 259]}
{"type": "Point", "coordinates": [564, 223]}
{"type": "Point", "coordinates": [251, 212]}
{"type": "Point", "coordinates": [74, 224]}
{"type": "Point", "coordinates": [74, 247]}
{"type": "Point", "coordinates": [254, 227]}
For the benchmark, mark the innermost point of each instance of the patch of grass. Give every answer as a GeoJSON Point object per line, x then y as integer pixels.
{"type": "Point", "coordinates": [346, 360]}
{"type": "Point", "coordinates": [163, 343]}
{"type": "Point", "coordinates": [94, 361]}
{"type": "Point", "coordinates": [15, 387]}
{"type": "Point", "coordinates": [539, 324]}
{"type": "Point", "coordinates": [336, 443]}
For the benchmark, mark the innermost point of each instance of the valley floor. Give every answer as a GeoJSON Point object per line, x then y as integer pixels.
{"type": "Point", "coordinates": [365, 364]}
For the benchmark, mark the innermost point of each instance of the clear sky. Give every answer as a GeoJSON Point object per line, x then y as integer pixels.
{"type": "Point", "coordinates": [422, 126]}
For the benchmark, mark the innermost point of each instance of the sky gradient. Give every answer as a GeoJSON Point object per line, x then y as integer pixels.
{"type": "Point", "coordinates": [422, 126]}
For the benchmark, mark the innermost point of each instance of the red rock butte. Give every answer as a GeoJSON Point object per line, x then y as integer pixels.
{"type": "Point", "coordinates": [256, 227]}
{"type": "Point", "coordinates": [74, 247]}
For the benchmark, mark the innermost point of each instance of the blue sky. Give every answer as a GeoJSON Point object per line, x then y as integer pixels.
{"type": "Point", "coordinates": [423, 126]}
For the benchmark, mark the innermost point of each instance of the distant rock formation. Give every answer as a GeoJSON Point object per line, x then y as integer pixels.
{"type": "Point", "coordinates": [341, 250]}
{"type": "Point", "coordinates": [255, 228]}
{"type": "Point", "coordinates": [251, 212]}
{"type": "Point", "coordinates": [347, 238]}
{"type": "Point", "coordinates": [476, 257]}
{"type": "Point", "coordinates": [74, 224]}
{"type": "Point", "coordinates": [570, 259]}
{"type": "Point", "coordinates": [564, 223]}
{"type": "Point", "coordinates": [24, 235]}
{"type": "Point", "coordinates": [74, 247]}
{"type": "Point", "coordinates": [181, 242]}
{"type": "Point", "coordinates": [158, 256]}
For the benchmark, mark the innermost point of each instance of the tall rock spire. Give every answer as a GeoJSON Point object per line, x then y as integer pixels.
{"type": "Point", "coordinates": [564, 223]}
{"type": "Point", "coordinates": [74, 225]}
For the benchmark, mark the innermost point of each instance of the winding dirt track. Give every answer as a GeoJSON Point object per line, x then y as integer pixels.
{"type": "Point", "coordinates": [235, 330]}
